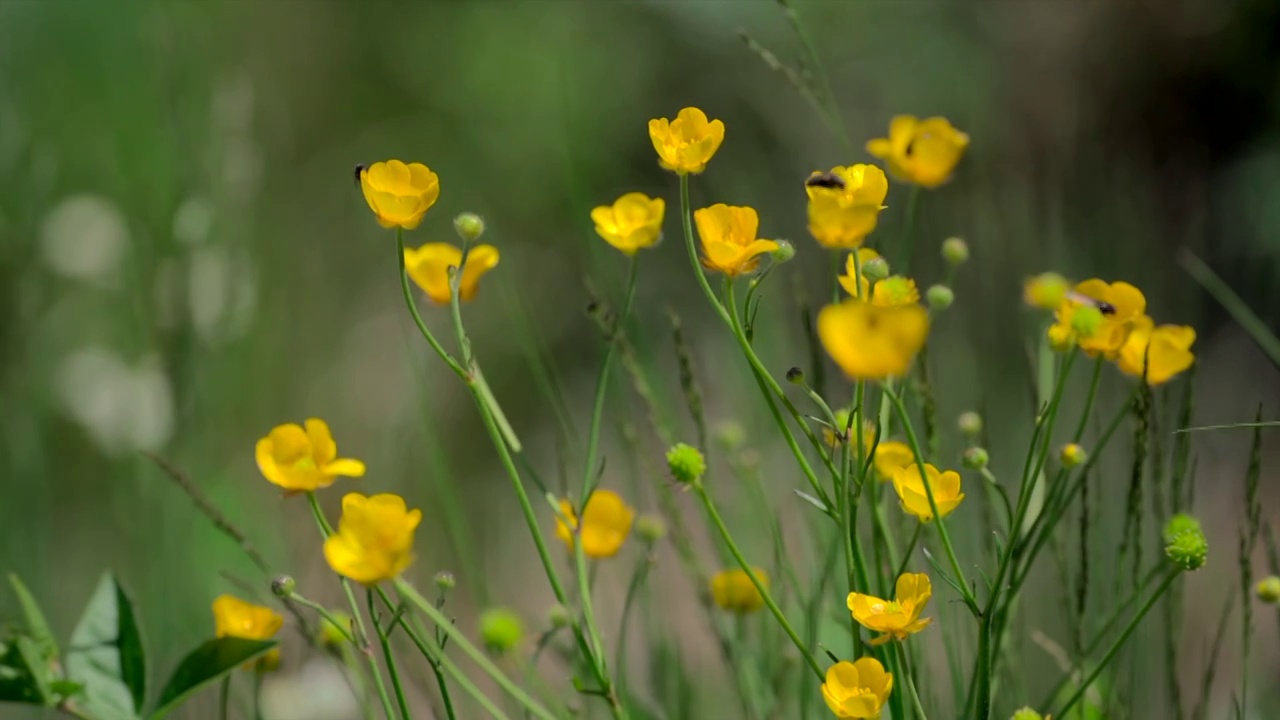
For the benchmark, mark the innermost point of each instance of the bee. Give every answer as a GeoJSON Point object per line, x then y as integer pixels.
{"type": "Point", "coordinates": [360, 168]}
{"type": "Point", "coordinates": [828, 180]}
{"type": "Point", "coordinates": [1103, 306]}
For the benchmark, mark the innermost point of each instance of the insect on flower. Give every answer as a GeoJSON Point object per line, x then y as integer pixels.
{"type": "Point", "coordinates": [827, 180]}
{"type": "Point", "coordinates": [1103, 306]}
{"type": "Point", "coordinates": [359, 169]}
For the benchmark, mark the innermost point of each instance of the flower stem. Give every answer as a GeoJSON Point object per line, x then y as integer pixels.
{"type": "Point", "coordinates": [387, 656]}
{"type": "Point", "coordinates": [326, 530]}
{"type": "Point", "coordinates": [324, 613]}
{"type": "Point", "coordinates": [433, 658]}
{"type": "Point", "coordinates": [718, 521]}
{"type": "Point", "coordinates": [911, 547]}
{"type": "Point", "coordinates": [1119, 642]}
{"type": "Point", "coordinates": [417, 318]}
{"type": "Point", "coordinates": [224, 698]}
{"type": "Point", "coordinates": [477, 656]}
{"type": "Point", "coordinates": [908, 225]}
{"type": "Point", "coordinates": [910, 677]}
{"type": "Point", "coordinates": [602, 382]}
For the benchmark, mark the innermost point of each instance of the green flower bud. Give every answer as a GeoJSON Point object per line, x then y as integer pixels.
{"type": "Point", "coordinates": [1072, 455]}
{"type": "Point", "coordinates": [1186, 546]}
{"type": "Point", "coordinates": [795, 376]}
{"type": "Point", "coordinates": [1026, 713]}
{"type": "Point", "coordinates": [784, 252]}
{"type": "Point", "coordinates": [686, 464]}
{"type": "Point", "coordinates": [469, 226]}
{"type": "Point", "coordinates": [955, 251]}
{"type": "Point", "coordinates": [651, 528]}
{"type": "Point", "coordinates": [875, 269]}
{"type": "Point", "coordinates": [283, 586]}
{"type": "Point", "coordinates": [731, 434]}
{"type": "Point", "coordinates": [445, 580]}
{"type": "Point", "coordinates": [970, 424]}
{"type": "Point", "coordinates": [501, 630]}
{"type": "Point", "coordinates": [975, 458]}
{"type": "Point", "coordinates": [1269, 590]}
{"type": "Point", "coordinates": [331, 635]}
{"type": "Point", "coordinates": [1086, 320]}
{"type": "Point", "coordinates": [559, 616]}
{"type": "Point", "coordinates": [1179, 524]}
{"type": "Point", "coordinates": [940, 297]}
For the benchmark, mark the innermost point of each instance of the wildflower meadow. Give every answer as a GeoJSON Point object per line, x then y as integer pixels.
{"type": "Point", "coordinates": [810, 406]}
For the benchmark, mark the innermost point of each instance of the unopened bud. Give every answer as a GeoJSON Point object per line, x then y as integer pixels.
{"type": "Point", "coordinates": [970, 424]}
{"type": "Point", "coordinates": [651, 528]}
{"type": "Point", "coordinates": [469, 226]}
{"type": "Point", "coordinates": [1185, 543]}
{"type": "Point", "coordinates": [940, 297]}
{"type": "Point", "coordinates": [955, 251]}
{"type": "Point", "coordinates": [1086, 320]}
{"type": "Point", "coordinates": [795, 376]}
{"type": "Point", "coordinates": [283, 586]}
{"type": "Point", "coordinates": [1045, 291]}
{"type": "Point", "coordinates": [731, 434]}
{"type": "Point", "coordinates": [686, 464]}
{"type": "Point", "coordinates": [559, 616]}
{"type": "Point", "coordinates": [875, 269]}
{"type": "Point", "coordinates": [975, 458]}
{"type": "Point", "coordinates": [784, 252]}
{"type": "Point", "coordinates": [1269, 590]}
{"type": "Point", "coordinates": [501, 630]}
{"type": "Point", "coordinates": [1072, 455]}
{"type": "Point", "coordinates": [445, 580]}
{"type": "Point", "coordinates": [1026, 713]}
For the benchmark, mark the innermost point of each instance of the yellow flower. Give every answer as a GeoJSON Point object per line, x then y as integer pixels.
{"type": "Point", "coordinates": [915, 499]}
{"type": "Point", "coordinates": [857, 690]}
{"type": "Point", "coordinates": [729, 243]}
{"type": "Point", "coordinates": [302, 460]}
{"type": "Point", "coordinates": [1045, 291]}
{"type": "Point", "coordinates": [233, 617]}
{"type": "Point", "coordinates": [844, 217]}
{"type": "Point", "coordinates": [891, 455]}
{"type": "Point", "coordinates": [1166, 350]}
{"type": "Point", "coordinates": [687, 143]}
{"type": "Point", "coordinates": [374, 541]}
{"type": "Point", "coordinates": [606, 521]}
{"type": "Point", "coordinates": [428, 267]}
{"type": "Point", "coordinates": [1120, 305]}
{"type": "Point", "coordinates": [733, 590]}
{"type": "Point", "coordinates": [870, 342]}
{"type": "Point", "coordinates": [632, 222]}
{"type": "Point", "coordinates": [399, 194]}
{"type": "Point", "coordinates": [895, 619]}
{"type": "Point", "coordinates": [923, 152]}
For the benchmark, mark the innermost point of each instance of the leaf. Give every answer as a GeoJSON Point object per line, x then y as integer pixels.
{"type": "Point", "coordinates": [207, 664]}
{"type": "Point", "coordinates": [17, 681]}
{"type": "Point", "coordinates": [37, 627]}
{"type": "Point", "coordinates": [106, 655]}
{"type": "Point", "coordinates": [812, 501]}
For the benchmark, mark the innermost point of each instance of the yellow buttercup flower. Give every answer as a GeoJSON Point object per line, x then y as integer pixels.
{"type": "Point", "coordinates": [428, 267]}
{"type": "Point", "coordinates": [870, 342]}
{"type": "Point", "coordinates": [894, 619]}
{"type": "Point", "coordinates": [686, 144]}
{"type": "Point", "coordinates": [632, 222]}
{"type": "Point", "coordinates": [733, 590]}
{"type": "Point", "coordinates": [374, 541]}
{"type": "Point", "coordinates": [233, 617]}
{"type": "Point", "coordinates": [857, 690]}
{"type": "Point", "coordinates": [891, 455]}
{"type": "Point", "coordinates": [302, 459]}
{"type": "Point", "coordinates": [399, 194]}
{"type": "Point", "coordinates": [1165, 350]}
{"type": "Point", "coordinates": [1119, 304]}
{"type": "Point", "coordinates": [842, 217]}
{"type": "Point", "coordinates": [729, 242]}
{"type": "Point", "coordinates": [915, 499]}
{"type": "Point", "coordinates": [924, 152]}
{"type": "Point", "coordinates": [606, 522]}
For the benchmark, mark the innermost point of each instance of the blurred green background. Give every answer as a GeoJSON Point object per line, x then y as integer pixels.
{"type": "Point", "coordinates": [185, 263]}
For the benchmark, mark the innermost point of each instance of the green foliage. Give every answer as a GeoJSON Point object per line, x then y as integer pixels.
{"type": "Point", "coordinates": [106, 656]}
{"type": "Point", "coordinates": [206, 665]}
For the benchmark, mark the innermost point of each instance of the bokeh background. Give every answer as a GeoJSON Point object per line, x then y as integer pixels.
{"type": "Point", "coordinates": [184, 263]}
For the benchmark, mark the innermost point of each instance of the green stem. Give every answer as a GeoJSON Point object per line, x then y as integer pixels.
{"type": "Point", "coordinates": [908, 226]}
{"type": "Point", "coordinates": [718, 521]}
{"type": "Point", "coordinates": [326, 530]}
{"type": "Point", "coordinates": [593, 631]}
{"type": "Point", "coordinates": [323, 612]}
{"type": "Point", "coordinates": [417, 318]}
{"type": "Point", "coordinates": [633, 588]}
{"type": "Point", "coordinates": [257, 695]}
{"type": "Point", "coordinates": [602, 383]}
{"type": "Point", "coordinates": [1262, 335]}
{"type": "Point", "coordinates": [1115, 647]}
{"type": "Point", "coordinates": [1088, 403]}
{"type": "Point", "coordinates": [911, 547]}
{"type": "Point", "coordinates": [477, 656]}
{"type": "Point", "coordinates": [910, 677]}
{"type": "Point", "coordinates": [433, 658]}
{"type": "Point", "coordinates": [224, 698]}
{"type": "Point", "coordinates": [831, 113]}
{"type": "Point", "coordinates": [387, 656]}
{"type": "Point", "coordinates": [969, 599]}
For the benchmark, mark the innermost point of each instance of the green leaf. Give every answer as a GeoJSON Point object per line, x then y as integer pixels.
{"type": "Point", "coordinates": [17, 681]}
{"type": "Point", "coordinates": [207, 664]}
{"type": "Point", "coordinates": [106, 655]}
{"type": "Point", "coordinates": [37, 627]}
{"type": "Point", "coordinates": [29, 649]}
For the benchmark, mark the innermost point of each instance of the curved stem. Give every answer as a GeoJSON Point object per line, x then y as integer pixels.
{"type": "Point", "coordinates": [417, 318]}
{"type": "Point", "coordinates": [432, 658]}
{"type": "Point", "coordinates": [387, 656]}
{"type": "Point", "coordinates": [477, 656]}
{"type": "Point", "coordinates": [718, 521]}
{"type": "Point", "coordinates": [602, 382]}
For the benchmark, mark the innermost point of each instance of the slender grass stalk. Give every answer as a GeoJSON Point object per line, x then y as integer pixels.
{"type": "Point", "coordinates": [1119, 643]}
{"type": "Point", "coordinates": [325, 531]}
{"type": "Point", "coordinates": [257, 694]}
{"type": "Point", "coordinates": [1238, 309]}
{"type": "Point", "coordinates": [718, 521]}
{"type": "Point", "coordinates": [433, 657]}
{"type": "Point", "coordinates": [457, 637]}
{"type": "Point", "coordinates": [388, 656]}
{"type": "Point", "coordinates": [911, 548]}
{"type": "Point", "coordinates": [224, 698]}
{"type": "Point", "coordinates": [910, 678]}
{"type": "Point", "coordinates": [602, 382]}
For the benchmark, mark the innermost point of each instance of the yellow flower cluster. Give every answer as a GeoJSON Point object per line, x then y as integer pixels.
{"type": "Point", "coordinates": [894, 619]}
{"type": "Point", "coordinates": [233, 617]}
